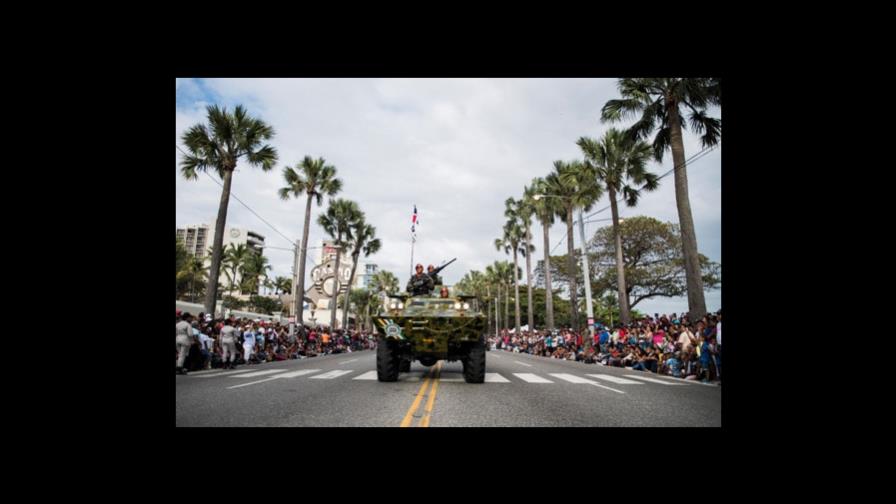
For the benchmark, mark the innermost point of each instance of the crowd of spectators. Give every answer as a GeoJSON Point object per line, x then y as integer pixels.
{"type": "Point", "coordinates": [670, 345]}
{"type": "Point", "coordinates": [260, 341]}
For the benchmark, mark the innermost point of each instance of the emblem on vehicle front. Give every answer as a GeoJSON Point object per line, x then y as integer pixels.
{"type": "Point", "coordinates": [393, 331]}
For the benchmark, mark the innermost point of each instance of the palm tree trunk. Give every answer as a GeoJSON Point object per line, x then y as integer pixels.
{"type": "Point", "coordinates": [498, 308]}
{"type": "Point", "coordinates": [367, 316]}
{"type": "Point", "coordinates": [571, 267]}
{"type": "Point", "coordinates": [507, 306]}
{"type": "Point", "coordinates": [696, 301]}
{"type": "Point", "coordinates": [299, 284]}
{"type": "Point", "coordinates": [620, 266]}
{"type": "Point", "coordinates": [333, 303]}
{"type": "Point", "coordinates": [488, 304]}
{"type": "Point", "coordinates": [516, 291]}
{"type": "Point", "coordinates": [218, 244]}
{"type": "Point", "coordinates": [355, 255]}
{"type": "Point", "coordinates": [549, 293]}
{"type": "Point", "coordinates": [529, 280]}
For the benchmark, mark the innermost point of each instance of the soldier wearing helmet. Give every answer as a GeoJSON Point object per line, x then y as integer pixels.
{"type": "Point", "coordinates": [436, 279]}
{"type": "Point", "coordinates": [420, 283]}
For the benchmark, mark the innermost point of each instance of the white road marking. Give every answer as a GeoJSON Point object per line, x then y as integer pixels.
{"type": "Point", "coordinates": [495, 378]}
{"type": "Point", "coordinates": [578, 379]}
{"type": "Point", "coordinates": [293, 374]}
{"type": "Point", "coordinates": [523, 363]}
{"type": "Point", "coordinates": [333, 374]}
{"type": "Point", "coordinates": [615, 379]}
{"type": "Point", "coordinates": [370, 375]}
{"type": "Point", "coordinates": [347, 361]}
{"type": "Point", "coordinates": [654, 380]}
{"type": "Point", "coordinates": [252, 383]}
{"type": "Point", "coordinates": [532, 378]}
{"type": "Point", "coordinates": [258, 373]}
{"type": "Point", "coordinates": [224, 373]}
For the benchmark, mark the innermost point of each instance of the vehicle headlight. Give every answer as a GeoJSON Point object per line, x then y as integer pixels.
{"type": "Point", "coordinates": [457, 306]}
{"type": "Point", "coordinates": [400, 306]}
{"type": "Point", "coordinates": [466, 306]}
{"type": "Point", "coordinates": [393, 305]}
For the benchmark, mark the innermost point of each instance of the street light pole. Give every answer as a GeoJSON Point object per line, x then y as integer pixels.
{"type": "Point", "coordinates": [587, 274]}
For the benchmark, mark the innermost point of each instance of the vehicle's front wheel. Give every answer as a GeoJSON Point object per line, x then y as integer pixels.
{"type": "Point", "coordinates": [387, 361]}
{"type": "Point", "coordinates": [474, 364]}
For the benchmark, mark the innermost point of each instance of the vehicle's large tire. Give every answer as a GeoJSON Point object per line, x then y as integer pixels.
{"type": "Point", "coordinates": [387, 361]}
{"type": "Point", "coordinates": [474, 364]}
{"type": "Point", "coordinates": [405, 366]}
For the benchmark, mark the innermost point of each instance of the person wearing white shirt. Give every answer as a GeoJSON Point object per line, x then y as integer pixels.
{"type": "Point", "coordinates": [228, 344]}
{"type": "Point", "coordinates": [182, 342]}
{"type": "Point", "coordinates": [248, 343]}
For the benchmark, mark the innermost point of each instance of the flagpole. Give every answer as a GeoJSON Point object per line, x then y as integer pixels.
{"type": "Point", "coordinates": [413, 237]}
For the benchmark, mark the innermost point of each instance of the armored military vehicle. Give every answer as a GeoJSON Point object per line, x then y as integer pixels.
{"type": "Point", "coordinates": [429, 328]}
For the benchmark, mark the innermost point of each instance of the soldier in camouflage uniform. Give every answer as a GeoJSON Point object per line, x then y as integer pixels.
{"type": "Point", "coordinates": [420, 283]}
{"type": "Point", "coordinates": [436, 279]}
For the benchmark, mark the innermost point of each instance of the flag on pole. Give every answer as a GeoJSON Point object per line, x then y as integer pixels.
{"type": "Point", "coordinates": [414, 224]}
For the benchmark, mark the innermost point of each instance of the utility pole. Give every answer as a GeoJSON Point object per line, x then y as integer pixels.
{"type": "Point", "coordinates": [294, 308]}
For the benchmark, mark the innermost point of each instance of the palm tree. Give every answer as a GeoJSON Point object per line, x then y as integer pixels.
{"type": "Point", "coordinates": [338, 222]}
{"type": "Point", "coordinates": [234, 260]}
{"type": "Point", "coordinates": [363, 240]}
{"type": "Point", "coordinates": [282, 284]}
{"type": "Point", "coordinates": [524, 210]}
{"type": "Point", "coordinates": [475, 283]}
{"type": "Point", "coordinates": [314, 178]}
{"type": "Point", "coordinates": [513, 241]}
{"type": "Point", "coordinates": [617, 162]}
{"type": "Point", "coordinates": [658, 101]}
{"type": "Point", "coordinates": [254, 267]}
{"type": "Point", "coordinates": [576, 187]}
{"type": "Point", "coordinates": [545, 209]}
{"type": "Point", "coordinates": [492, 279]}
{"type": "Point", "coordinates": [194, 270]}
{"type": "Point", "coordinates": [219, 146]}
{"type": "Point", "coordinates": [361, 299]}
{"type": "Point", "coordinates": [384, 281]}
{"type": "Point", "coordinates": [501, 274]}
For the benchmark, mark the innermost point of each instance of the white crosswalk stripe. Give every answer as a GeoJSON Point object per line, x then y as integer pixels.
{"type": "Point", "coordinates": [578, 379]}
{"type": "Point", "coordinates": [293, 374]}
{"type": "Point", "coordinates": [336, 373]}
{"type": "Point", "coordinates": [495, 378]}
{"type": "Point", "coordinates": [258, 373]}
{"type": "Point", "coordinates": [653, 380]}
{"type": "Point", "coordinates": [616, 379]}
{"type": "Point", "coordinates": [224, 373]}
{"type": "Point", "coordinates": [450, 377]}
{"type": "Point", "coordinates": [532, 378]}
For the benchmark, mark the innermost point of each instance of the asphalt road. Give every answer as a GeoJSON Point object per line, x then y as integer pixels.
{"type": "Point", "coordinates": [521, 390]}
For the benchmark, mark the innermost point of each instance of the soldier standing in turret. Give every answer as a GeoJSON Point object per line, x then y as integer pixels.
{"type": "Point", "coordinates": [420, 283]}
{"type": "Point", "coordinates": [436, 279]}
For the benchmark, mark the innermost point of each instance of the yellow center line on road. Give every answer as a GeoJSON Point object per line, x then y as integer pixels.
{"type": "Point", "coordinates": [432, 396]}
{"type": "Point", "coordinates": [409, 417]}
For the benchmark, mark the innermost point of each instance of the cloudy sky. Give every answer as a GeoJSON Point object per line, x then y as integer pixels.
{"type": "Point", "coordinates": [455, 147]}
